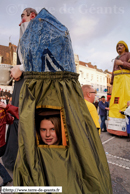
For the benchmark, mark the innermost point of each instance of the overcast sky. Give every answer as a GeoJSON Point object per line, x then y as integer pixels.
{"type": "Point", "coordinates": [95, 26]}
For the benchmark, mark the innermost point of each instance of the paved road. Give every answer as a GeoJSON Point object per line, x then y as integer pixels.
{"type": "Point", "coordinates": [117, 151]}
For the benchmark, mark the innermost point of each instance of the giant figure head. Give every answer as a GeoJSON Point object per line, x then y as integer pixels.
{"type": "Point", "coordinates": [121, 47]}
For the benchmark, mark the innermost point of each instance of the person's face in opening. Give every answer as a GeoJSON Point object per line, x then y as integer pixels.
{"type": "Point", "coordinates": [48, 133]}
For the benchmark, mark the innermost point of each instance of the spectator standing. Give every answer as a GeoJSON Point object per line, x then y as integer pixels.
{"type": "Point", "coordinates": [96, 104]}
{"type": "Point", "coordinates": [103, 107]}
{"type": "Point", "coordinates": [5, 93]}
{"type": "Point", "coordinates": [89, 96]}
{"type": "Point", "coordinates": [9, 94]}
{"type": "Point", "coordinates": [6, 98]}
{"type": "Point", "coordinates": [2, 92]}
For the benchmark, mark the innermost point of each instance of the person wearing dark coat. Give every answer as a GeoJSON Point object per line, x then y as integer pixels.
{"type": "Point", "coordinates": [96, 104]}
{"type": "Point", "coordinates": [103, 107]}
{"type": "Point", "coordinates": [2, 92]}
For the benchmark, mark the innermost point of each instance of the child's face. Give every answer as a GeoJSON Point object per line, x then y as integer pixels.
{"type": "Point", "coordinates": [48, 133]}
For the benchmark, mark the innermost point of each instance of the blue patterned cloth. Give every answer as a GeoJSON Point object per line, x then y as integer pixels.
{"type": "Point", "coordinates": [46, 45]}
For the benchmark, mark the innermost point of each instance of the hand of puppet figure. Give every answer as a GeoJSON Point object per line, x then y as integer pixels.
{"type": "Point", "coordinates": [16, 73]}
{"type": "Point", "coordinates": [119, 62]}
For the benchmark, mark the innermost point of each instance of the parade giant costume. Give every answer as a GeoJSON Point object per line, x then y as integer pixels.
{"type": "Point", "coordinates": [12, 137]}
{"type": "Point", "coordinates": [120, 94]}
{"type": "Point", "coordinates": [78, 165]}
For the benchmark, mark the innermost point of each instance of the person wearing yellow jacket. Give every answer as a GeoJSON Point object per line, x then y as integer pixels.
{"type": "Point", "coordinates": [89, 96]}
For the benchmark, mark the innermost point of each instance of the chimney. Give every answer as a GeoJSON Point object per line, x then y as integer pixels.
{"type": "Point", "coordinates": [11, 52]}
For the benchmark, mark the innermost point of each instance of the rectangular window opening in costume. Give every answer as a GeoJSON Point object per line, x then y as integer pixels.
{"type": "Point", "coordinates": [46, 113]}
{"type": "Point", "coordinates": [116, 100]}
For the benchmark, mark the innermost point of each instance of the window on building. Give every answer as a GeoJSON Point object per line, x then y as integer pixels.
{"type": "Point", "coordinates": [107, 89]}
{"type": "Point", "coordinates": [0, 59]}
{"type": "Point", "coordinates": [100, 88]}
{"type": "Point", "coordinates": [87, 75]}
{"type": "Point", "coordinates": [100, 78]}
{"type": "Point", "coordinates": [81, 73]}
{"type": "Point", "coordinates": [97, 78]}
{"type": "Point", "coordinates": [91, 77]}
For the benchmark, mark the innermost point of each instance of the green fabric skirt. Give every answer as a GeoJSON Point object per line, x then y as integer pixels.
{"type": "Point", "coordinates": [79, 165]}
